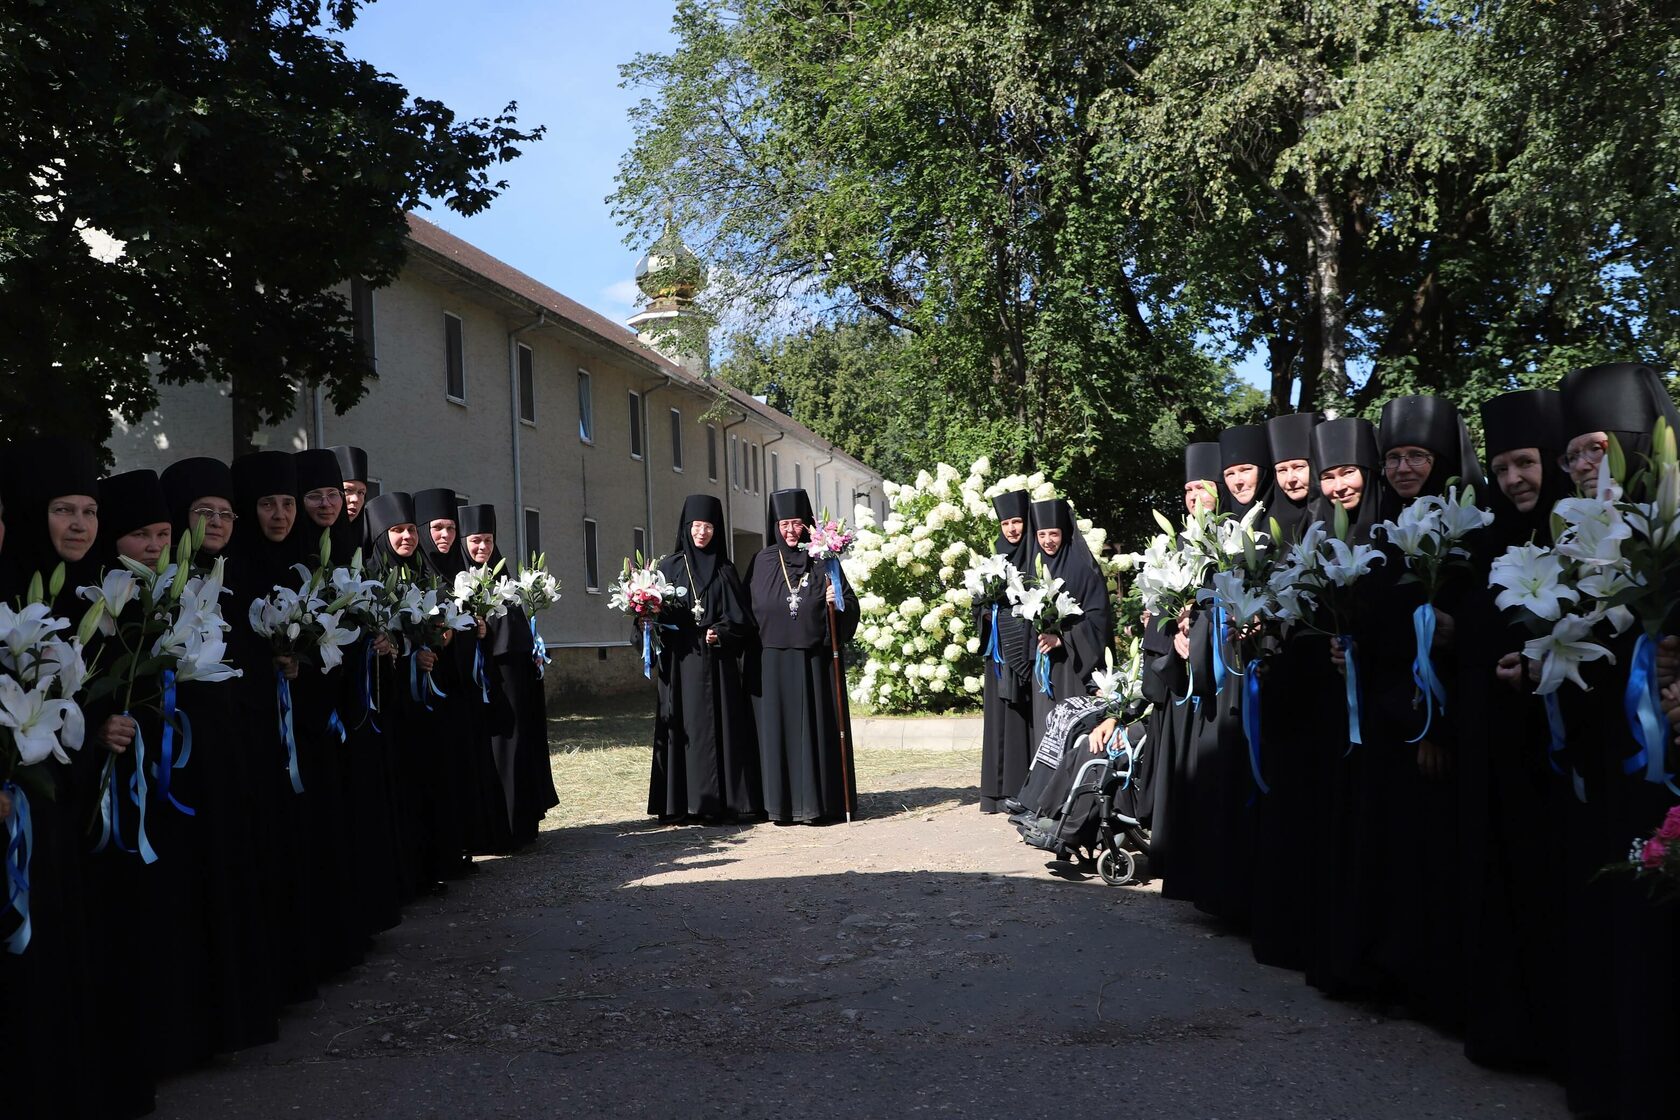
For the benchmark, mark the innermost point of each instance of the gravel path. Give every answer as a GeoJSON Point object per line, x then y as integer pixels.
{"type": "Point", "coordinates": [921, 960]}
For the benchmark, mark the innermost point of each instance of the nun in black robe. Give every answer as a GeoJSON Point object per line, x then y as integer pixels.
{"type": "Point", "coordinates": [1344, 906]}
{"type": "Point", "coordinates": [353, 469]}
{"type": "Point", "coordinates": [517, 717]}
{"type": "Point", "coordinates": [1289, 814]}
{"type": "Point", "coordinates": [1225, 810]}
{"type": "Point", "coordinates": [428, 831]}
{"type": "Point", "coordinates": [464, 675]}
{"type": "Point", "coordinates": [1172, 724]}
{"type": "Point", "coordinates": [163, 1008]}
{"type": "Point", "coordinates": [1623, 986]}
{"type": "Point", "coordinates": [51, 1021]}
{"type": "Point", "coordinates": [243, 996]}
{"type": "Point", "coordinates": [322, 713]}
{"type": "Point", "coordinates": [256, 566]}
{"type": "Point", "coordinates": [808, 775]}
{"type": "Point", "coordinates": [1006, 746]}
{"type": "Point", "coordinates": [705, 749]}
{"type": "Point", "coordinates": [1510, 843]}
{"type": "Point", "coordinates": [1078, 651]}
{"type": "Point", "coordinates": [1420, 950]}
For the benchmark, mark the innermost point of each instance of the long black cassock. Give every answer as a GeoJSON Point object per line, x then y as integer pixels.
{"type": "Point", "coordinates": [1091, 633]}
{"type": "Point", "coordinates": [798, 712]}
{"type": "Point", "coordinates": [1006, 746]}
{"type": "Point", "coordinates": [705, 749]}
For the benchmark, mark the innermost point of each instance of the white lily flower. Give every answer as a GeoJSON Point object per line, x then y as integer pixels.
{"type": "Point", "coordinates": [35, 720]}
{"type": "Point", "coordinates": [23, 630]}
{"type": "Point", "coordinates": [1346, 563]}
{"type": "Point", "coordinates": [1532, 578]}
{"type": "Point", "coordinates": [117, 590]}
{"type": "Point", "coordinates": [1460, 515]}
{"type": "Point", "coordinates": [68, 670]}
{"type": "Point", "coordinates": [333, 639]}
{"type": "Point", "coordinates": [203, 657]}
{"type": "Point", "coordinates": [1562, 653]}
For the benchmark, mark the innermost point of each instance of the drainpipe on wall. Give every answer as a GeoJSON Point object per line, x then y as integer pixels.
{"type": "Point", "coordinates": [820, 466]}
{"type": "Point", "coordinates": [519, 553]}
{"type": "Point", "coordinates": [318, 423]}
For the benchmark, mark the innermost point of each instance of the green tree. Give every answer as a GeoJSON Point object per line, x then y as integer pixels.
{"type": "Point", "coordinates": [242, 164]}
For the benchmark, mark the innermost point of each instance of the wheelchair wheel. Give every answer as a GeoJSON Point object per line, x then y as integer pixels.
{"type": "Point", "coordinates": [1116, 866]}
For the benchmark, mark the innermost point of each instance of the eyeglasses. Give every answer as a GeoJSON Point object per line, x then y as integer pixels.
{"type": "Point", "coordinates": [207, 514]}
{"type": "Point", "coordinates": [1417, 460]}
{"type": "Point", "coordinates": [1592, 453]}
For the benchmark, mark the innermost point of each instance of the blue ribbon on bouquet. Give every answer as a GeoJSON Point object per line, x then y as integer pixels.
{"type": "Point", "coordinates": [1352, 674]}
{"type": "Point", "coordinates": [994, 652]}
{"type": "Point", "coordinates": [1041, 671]}
{"type": "Point", "coordinates": [20, 843]}
{"type": "Point", "coordinates": [1643, 703]}
{"type": "Point", "coordinates": [283, 702]}
{"type": "Point", "coordinates": [1251, 721]}
{"type": "Point", "coordinates": [369, 705]}
{"type": "Point", "coordinates": [1219, 670]}
{"type": "Point", "coordinates": [110, 808]}
{"type": "Point", "coordinates": [647, 652]}
{"type": "Point", "coordinates": [335, 726]}
{"type": "Point", "coordinates": [834, 581]}
{"type": "Point", "coordinates": [169, 763]}
{"type": "Point", "coordinates": [1189, 685]}
{"type": "Point", "coordinates": [1554, 724]}
{"type": "Point", "coordinates": [421, 686]}
{"type": "Point", "coordinates": [480, 676]}
{"type": "Point", "coordinates": [1423, 668]}
{"type": "Point", "coordinates": [138, 793]}
{"type": "Point", "coordinates": [539, 649]}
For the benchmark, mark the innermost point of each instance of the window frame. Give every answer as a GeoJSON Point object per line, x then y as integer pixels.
{"type": "Point", "coordinates": [677, 441]}
{"type": "Point", "coordinates": [711, 452]}
{"type": "Point", "coordinates": [591, 556]}
{"type": "Point", "coordinates": [775, 471]}
{"type": "Point", "coordinates": [638, 440]}
{"type": "Point", "coordinates": [454, 355]}
{"type": "Point", "coordinates": [525, 364]}
{"type": "Point", "coordinates": [586, 407]}
{"type": "Point", "coordinates": [638, 542]}
{"type": "Point", "coordinates": [533, 535]}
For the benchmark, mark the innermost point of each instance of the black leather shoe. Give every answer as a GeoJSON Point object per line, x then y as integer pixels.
{"type": "Point", "coordinates": [1012, 806]}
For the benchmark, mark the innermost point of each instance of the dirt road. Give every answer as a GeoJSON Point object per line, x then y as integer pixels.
{"type": "Point", "coordinates": [921, 960]}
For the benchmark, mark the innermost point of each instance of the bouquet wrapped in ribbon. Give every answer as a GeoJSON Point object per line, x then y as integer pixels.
{"type": "Point", "coordinates": [1121, 689]}
{"type": "Point", "coordinates": [537, 590]}
{"type": "Point", "coordinates": [988, 581]}
{"type": "Point", "coordinates": [828, 543]}
{"type": "Point", "coordinates": [423, 617]}
{"type": "Point", "coordinates": [1656, 858]}
{"type": "Point", "coordinates": [643, 592]}
{"type": "Point", "coordinates": [41, 670]}
{"type": "Point", "coordinates": [1049, 610]}
{"type": "Point", "coordinates": [485, 594]}
{"type": "Point", "coordinates": [1429, 535]}
{"type": "Point", "coordinates": [166, 626]}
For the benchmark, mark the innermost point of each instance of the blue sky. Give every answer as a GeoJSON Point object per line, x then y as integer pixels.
{"type": "Point", "coordinates": [560, 62]}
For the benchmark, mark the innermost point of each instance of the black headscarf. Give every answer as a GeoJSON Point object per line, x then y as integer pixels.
{"type": "Point", "coordinates": [786, 505]}
{"type": "Point", "coordinates": [1290, 437]}
{"type": "Point", "coordinates": [1016, 503]}
{"type": "Point", "coordinates": [473, 520]}
{"type": "Point", "coordinates": [1073, 564]}
{"type": "Point", "coordinates": [707, 572]}
{"type": "Point", "coordinates": [1202, 464]}
{"type": "Point", "coordinates": [703, 561]}
{"type": "Point", "coordinates": [1526, 418]}
{"type": "Point", "coordinates": [438, 504]}
{"type": "Point", "coordinates": [390, 509]}
{"type": "Point", "coordinates": [259, 563]}
{"type": "Point", "coordinates": [318, 469]}
{"type": "Point", "coordinates": [352, 463]}
{"type": "Point", "coordinates": [33, 473]}
{"type": "Point", "coordinates": [128, 501]}
{"type": "Point", "coordinates": [1624, 399]}
{"type": "Point", "coordinates": [1247, 445]}
{"type": "Point", "coordinates": [1347, 442]}
{"type": "Point", "coordinates": [1433, 424]}
{"type": "Point", "coordinates": [186, 482]}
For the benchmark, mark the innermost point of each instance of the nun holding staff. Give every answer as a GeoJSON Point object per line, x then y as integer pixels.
{"type": "Point", "coordinates": [1006, 746]}
{"type": "Point", "coordinates": [807, 773]}
{"type": "Point", "coordinates": [705, 752]}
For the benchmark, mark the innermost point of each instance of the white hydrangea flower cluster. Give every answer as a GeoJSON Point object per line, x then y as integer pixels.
{"type": "Point", "coordinates": [917, 627]}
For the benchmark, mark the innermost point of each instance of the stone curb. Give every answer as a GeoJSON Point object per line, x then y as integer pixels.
{"type": "Point", "coordinates": [953, 733]}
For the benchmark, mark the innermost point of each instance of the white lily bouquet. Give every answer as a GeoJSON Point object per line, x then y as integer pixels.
{"type": "Point", "coordinates": [1120, 688]}
{"type": "Point", "coordinates": [41, 671]}
{"type": "Point", "coordinates": [484, 593]}
{"type": "Point", "coordinates": [1240, 591]}
{"type": "Point", "coordinates": [1050, 610]}
{"type": "Point", "coordinates": [1429, 535]}
{"type": "Point", "coordinates": [988, 581]}
{"type": "Point", "coordinates": [1615, 564]}
{"type": "Point", "coordinates": [538, 590]}
{"type": "Point", "coordinates": [1314, 583]}
{"type": "Point", "coordinates": [166, 626]}
{"type": "Point", "coordinates": [643, 592]}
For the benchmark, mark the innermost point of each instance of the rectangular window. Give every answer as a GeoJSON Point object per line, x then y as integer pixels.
{"type": "Point", "coordinates": [454, 359]}
{"type": "Point", "coordinates": [755, 464]}
{"type": "Point", "coordinates": [586, 409]}
{"type": "Point", "coordinates": [635, 425]}
{"type": "Point", "coordinates": [375, 488]}
{"type": "Point", "coordinates": [361, 319]}
{"type": "Point", "coordinates": [533, 535]}
{"type": "Point", "coordinates": [527, 384]}
{"type": "Point", "coordinates": [638, 543]}
{"type": "Point", "coordinates": [775, 471]}
{"type": "Point", "coordinates": [461, 500]}
{"type": "Point", "coordinates": [735, 461]}
{"type": "Point", "coordinates": [837, 505]}
{"type": "Point", "coordinates": [591, 558]}
{"type": "Point", "coordinates": [799, 476]}
{"type": "Point", "coordinates": [816, 486]}
{"type": "Point", "coordinates": [711, 452]}
{"type": "Point", "coordinates": [676, 440]}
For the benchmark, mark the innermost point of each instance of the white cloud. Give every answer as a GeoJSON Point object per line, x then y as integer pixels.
{"type": "Point", "coordinates": [619, 299]}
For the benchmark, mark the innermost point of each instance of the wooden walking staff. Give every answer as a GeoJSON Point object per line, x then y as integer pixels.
{"type": "Point", "coordinates": [842, 712]}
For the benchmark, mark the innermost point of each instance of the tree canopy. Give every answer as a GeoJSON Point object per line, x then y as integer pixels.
{"type": "Point", "coordinates": [183, 184]}
{"type": "Point", "coordinates": [1054, 225]}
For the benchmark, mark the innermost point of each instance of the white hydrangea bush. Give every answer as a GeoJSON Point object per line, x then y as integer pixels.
{"type": "Point", "coordinates": [916, 628]}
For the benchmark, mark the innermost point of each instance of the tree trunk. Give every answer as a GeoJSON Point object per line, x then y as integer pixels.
{"type": "Point", "coordinates": [1328, 294]}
